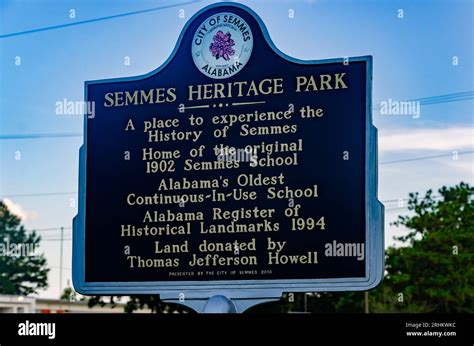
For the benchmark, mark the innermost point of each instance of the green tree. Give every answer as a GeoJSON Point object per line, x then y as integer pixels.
{"type": "Point", "coordinates": [20, 273]}
{"type": "Point", "coordinates": [71, 295]}
{"type": "Point", "coordinates": [435, 270]}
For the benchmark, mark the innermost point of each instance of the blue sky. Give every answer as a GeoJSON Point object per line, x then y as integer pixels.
{"type": "Point", "coordinates": [413, 58]}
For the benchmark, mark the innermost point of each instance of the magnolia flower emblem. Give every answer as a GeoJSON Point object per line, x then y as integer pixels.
{"type": "Point", "coordinates": [222, 46]}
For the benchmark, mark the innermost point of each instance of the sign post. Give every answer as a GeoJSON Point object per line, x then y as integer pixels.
{"type": "Point", "coordinates": [230, 174]}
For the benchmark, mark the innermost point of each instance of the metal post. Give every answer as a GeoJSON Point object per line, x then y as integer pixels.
{"type": "Point", "coordinates": [366, 301]}
{"type": "Point", "coordinates": [220, 305]}
{"type": "Point", "coordinates": [61, 263]}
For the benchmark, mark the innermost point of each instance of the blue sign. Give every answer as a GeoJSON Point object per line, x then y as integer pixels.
{"type": "Point", "coordinates": [232, 169]}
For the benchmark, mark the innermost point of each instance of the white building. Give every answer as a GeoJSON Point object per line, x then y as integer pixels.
{"type": "Point", "coordinates": [17, 304]}
{"type": "Point", "coordinates": [20, 304]}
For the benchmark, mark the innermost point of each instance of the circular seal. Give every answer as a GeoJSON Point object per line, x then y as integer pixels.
{"type": "Point", "coordinates": [222, 45]}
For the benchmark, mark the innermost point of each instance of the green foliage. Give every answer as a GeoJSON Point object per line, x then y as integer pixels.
{"type": "Point", "coordinates": [155, 304]}
{"type": "Point", "coordinates": [19, 275]}
{"type": "Point", "coordinates": [436, 269]}
{"type": "Point", "coordinates": [139, 302]}
{"type": "Point", "coordinates": [101, 301]}
{"type": "Point", "coordinates": [71, 295]}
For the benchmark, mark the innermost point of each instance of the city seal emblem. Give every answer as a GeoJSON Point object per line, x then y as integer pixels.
{"type": "Point", "coordinates": [222, 45]}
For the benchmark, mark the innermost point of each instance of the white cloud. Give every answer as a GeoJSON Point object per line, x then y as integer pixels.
{"type": "Point", "coordinates": [462, 164]}
{"type": "Point", "coordinates": [428, 139]}
{"type": "Point", "coordinates": [19, 211]}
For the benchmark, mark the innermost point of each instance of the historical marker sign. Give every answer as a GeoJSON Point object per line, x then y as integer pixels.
{"type": "Point", "coordinates": [231, 168]}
